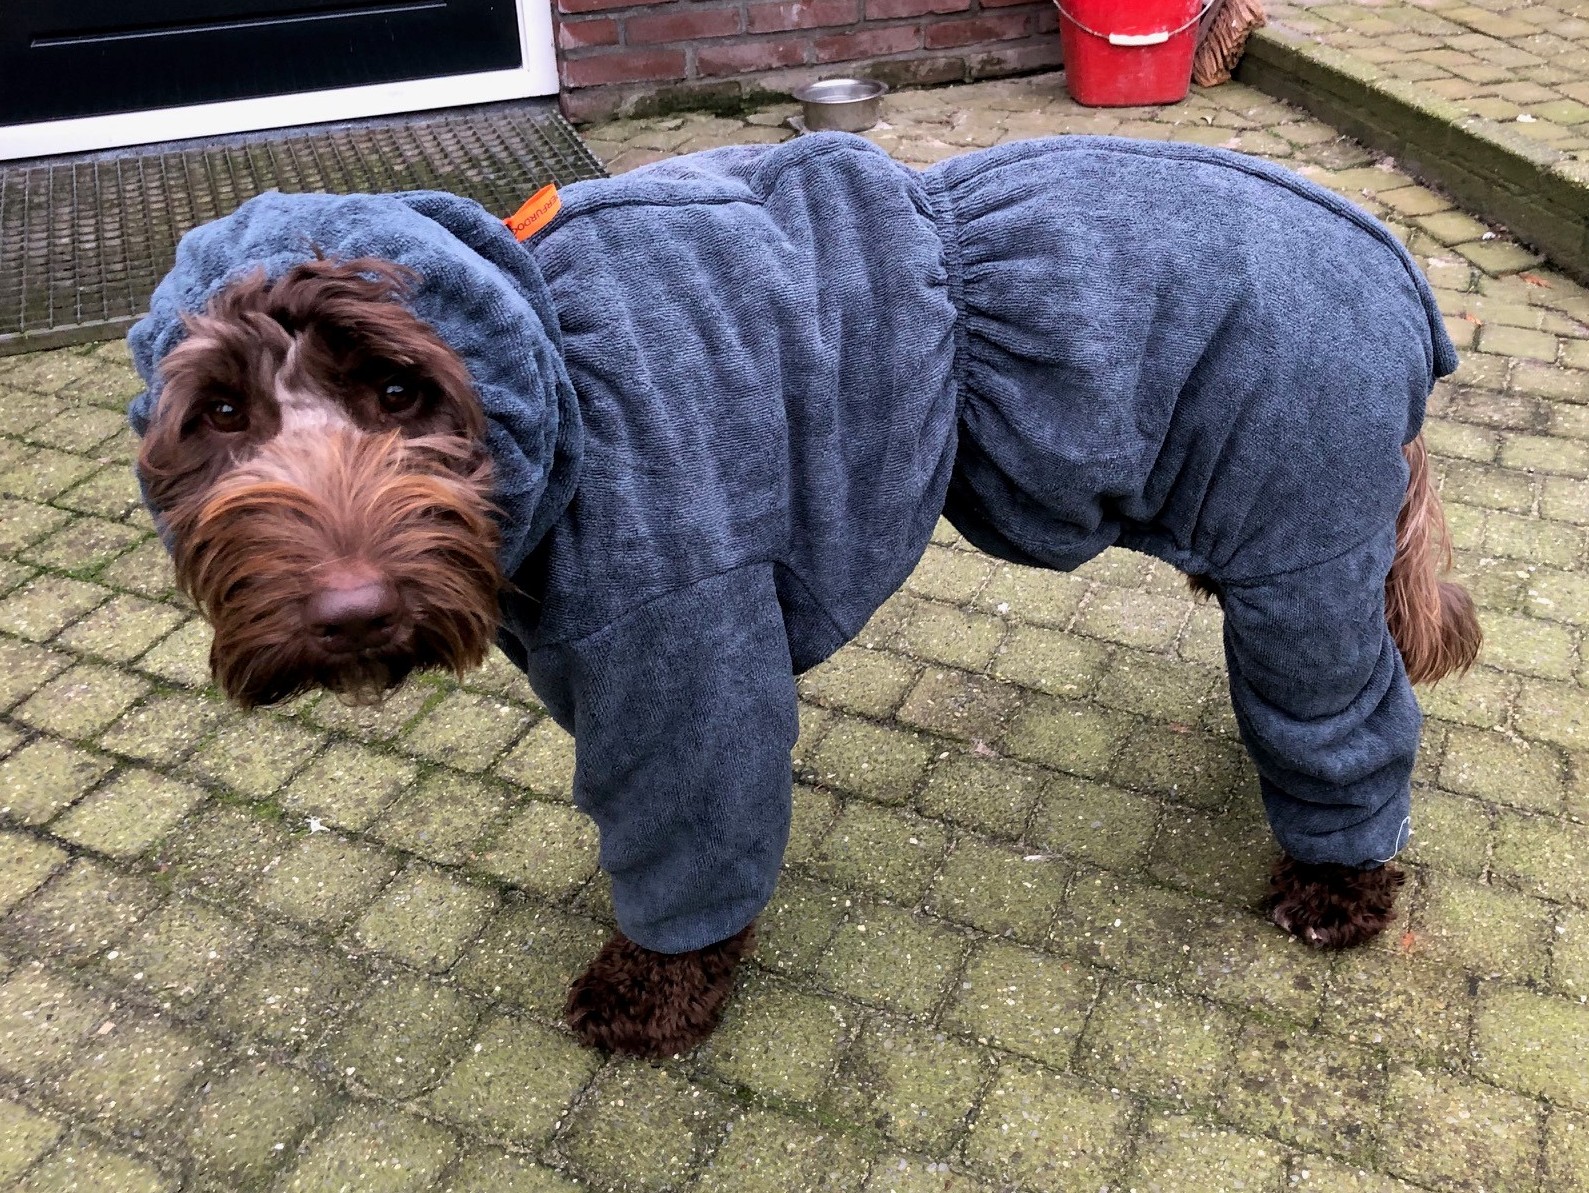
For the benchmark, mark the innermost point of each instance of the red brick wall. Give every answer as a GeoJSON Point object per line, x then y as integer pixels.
{"type": "Point", "coordinates": [639, 56]}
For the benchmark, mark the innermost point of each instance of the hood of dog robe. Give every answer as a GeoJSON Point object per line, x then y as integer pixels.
{"type": "Point", "coordinates": [478, 288]}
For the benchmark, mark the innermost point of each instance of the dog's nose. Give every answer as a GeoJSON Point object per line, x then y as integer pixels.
{"type": "Point", "coordinates": [350, 617]}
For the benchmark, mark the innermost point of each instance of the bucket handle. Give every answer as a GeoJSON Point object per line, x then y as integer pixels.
{"type": "Point", "coordinates": [1136, 39]}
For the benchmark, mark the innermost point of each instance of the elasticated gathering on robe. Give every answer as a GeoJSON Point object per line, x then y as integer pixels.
{"type": "Point", "coordinates": [730, 395]}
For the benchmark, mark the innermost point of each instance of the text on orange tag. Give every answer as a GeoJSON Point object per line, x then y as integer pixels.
{"type": "Point", "coordinates": [536, 213]}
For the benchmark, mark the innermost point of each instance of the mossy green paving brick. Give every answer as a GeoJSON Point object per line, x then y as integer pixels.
{"type": "Point", "coordinates": [916, 1085]}
{"type": "Point", "coordinates": [1518, 539]}
{"type": "Point", "coordinates": [1225, 856]}
{"type": "Point", "coordinates": [1560, 596]}
{"type": "Point", "coordinates": [324, 879]}
{"type": "Point", "coordinates": [145, 570]}
{"type": "Point", "coordinates": [1490, 930]}
{"type": "Point", "coordinates": [1546, 856]}
{"type": "Point", "coordinates": [1033, 595]}
{"type": "Point", "coordinates": [1567, 1152]}
{"type": "Point", "coordinates": [543, 761]}
{"type": "Point", "coordinates": [81, 701]}
{"type": "Point", "coordinates": [1448, 1131]}
{"type": "Point", "coordinates": [516, 1081]}
{"type": "Point", "coordinates": [467, 730]}
{"type": "Point", "coordinates": [1534, 1043]}
{"type": "Point", "coordinates": [492, 1170]}
{"type": "Point", "coordinates": [1050, 1132]}
{"type": "Point", "coordinates": [958, 705]}
{"type": "Point", "coordinates": [998, 890]}
{"type": "Point", "coordinates": [794, 928]}
{"type": "Point", "coordinates": [442, 817]}
{"type": "Point", "coordinates": [122, 628]}
{"type": "Point", "coordinates": [812, 813]}
{"type": "Point", "coordinates": [348, 785]}
{"type": "Point", "coordinates": [1138, 619]}
{"type": "Point", "coordinates": [1049, 661]}
{"type": "Point", "coordinates": [133, 1072]}
{"type": "Point", "coordinates": [546, 849]}
{"type": "Point", "coordinates": [255, 755]}
{"type": "Point", "coordinates": [886, 852]}
{"type": "Point", "coordinates": [1529, 646]}
{"type": "Point", "coordinates": [1068, 735]}
{"type": "Point", "coordinates": [527, 957]}
{"type": "Point", "coordinates": [814, 724]}
{"type": "Point", "coordinates": [994, 797]}
{"type": "Point", "coordinates": [1536, 453]}
{"type": "Point", "coordinates": [1565, 499]}
{"type": "Point", "coordinates": [82, 911]}
{"type": "Point", "coordinates": [129, 814]}
{"type": "Point", "coordinates": [81, 1165]}
{"type": "Point", "coordinates": [183, 658]}
{"type": "Point", "coordinates": [1187, 766]}
{"type": "Point", "coordinates": [780, 1041]}
{"type": "Point", "coordinates": [954, 577]}
{"type": "Point", "coordinates": [25, 864]}
{"type": "Point", "coordinates": [1320, 1174]}
{"type": "Point", "coordinates": [641, 1127]}
{"type": "Point", "coordinates": [111, 494]}
{"type": "Point", "coordinates": [1143, 931]}
{"type": "Point", "coordinates": [1307, 1089]}
{"type": "Point", "coordinates": [44, 1020]}
{"type": "Point", "coordinates": [1093, 823]}
{"type": "Point", "coordinates": [403, 1037]}
{"type": "Point", "coordinates": [885, 956]}
{"type": "Point", "coordinates": [871, 761]}
{"type": "Point", "coordinates": [45, 776]}
{"type": "Point", "coordinates": [247, 1121]}
{"type": "Point", "coordinates": [1450, 833]}
{"type": "Point", "coordinates": [769, 1153]}
{"type": "Point", "coordinates": [1161, 687]}
{"type": "Point", "coordinates": [45, 474]}
{"type": "Point", "coordinates": [1024, 1001]}
{"type": "Point", "coordinates": [1245, 962]}
{"type": "Point", "coordinates": [165, 728]}
{"type": "Point", "coordinates": [41, 609]}
{"type": "Point", "coordinates": [1553, 712]}
{"type": "Point", "coordinates": [23, 522]}
{"type": "Point", "coordinates": [861, 680]}
{"type": "Point", "coordinates": [83, 545]}
{"type": "Point", "coordinates": [373, 1149]}
{"type": "Point", "coordinates": [425, 918]}
{"type": "Point", "coordinates": [223, 852]}
{"type": "Point", "coordinates": [374, 723]}
{"type": "Point", "coordinates": [940, 634]}
{"type": "Point", "coordinates": [181, 952]}
{"type": "Point", "coordinates": [908, 1174]}
{"type": "Point", "coordinates": [25, 1135]}
{"type": "Point", "coordinates": [1178, 1152]}
{"type": "Point", "coordinates": [1503, 768]}
{"type": "Point", "coordinates": [289, 996]}
{"type": "Point", "coordinates": [1153, 1041]}
{"type": "Point", "coordinates": [1480, 699]}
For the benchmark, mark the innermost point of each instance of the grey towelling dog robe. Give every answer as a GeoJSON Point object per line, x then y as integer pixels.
{"type": "Point", "coordinates": [730, 395]}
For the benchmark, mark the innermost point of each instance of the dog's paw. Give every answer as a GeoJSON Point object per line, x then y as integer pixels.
{"type": "Point", "coordinates": [640, 1003]}
{"type": "Point", "coordinates": [1331, 906]}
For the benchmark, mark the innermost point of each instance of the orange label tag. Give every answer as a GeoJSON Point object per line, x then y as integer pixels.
{"type": "Point", "coordinates": [536, 213]}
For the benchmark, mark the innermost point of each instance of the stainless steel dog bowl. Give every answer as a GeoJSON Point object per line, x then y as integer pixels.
{"type": "Point", "coordinates": [845, 105]}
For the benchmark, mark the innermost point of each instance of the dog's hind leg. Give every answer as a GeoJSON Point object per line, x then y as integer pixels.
{"type": "Point", "coordinates": [1326, 711]}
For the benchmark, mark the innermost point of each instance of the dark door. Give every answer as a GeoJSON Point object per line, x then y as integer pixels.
{"type": "Point", "coordinates": [61, 58]}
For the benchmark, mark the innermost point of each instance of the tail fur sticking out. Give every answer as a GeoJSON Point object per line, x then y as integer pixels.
{"type": "Point", "coordinates": [1432, 620]}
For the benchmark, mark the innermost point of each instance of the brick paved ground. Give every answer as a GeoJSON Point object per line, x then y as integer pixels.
{"type": "Point", "coordinates": [1525, 62]}
{"type": "Point", "coordinates": [1015, 946]}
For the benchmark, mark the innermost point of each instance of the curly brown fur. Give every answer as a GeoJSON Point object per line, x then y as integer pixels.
{"type": "Point", "coordinates": [634, 1001]}
{"type": "Point", "coordinates": [315, 439]}
{"type": "Point", "coordinates": [1332, 906]}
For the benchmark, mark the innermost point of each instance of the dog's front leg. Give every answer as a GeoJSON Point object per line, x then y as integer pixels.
{"type": "Point", "coordinates": [643, 1003]}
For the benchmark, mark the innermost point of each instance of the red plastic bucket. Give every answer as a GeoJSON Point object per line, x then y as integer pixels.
{"type": "Point", "coordinates": [1121, 53]}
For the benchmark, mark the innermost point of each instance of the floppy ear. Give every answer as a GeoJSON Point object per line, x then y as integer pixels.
{"type": "Point", "coordinates": [1432, 620]}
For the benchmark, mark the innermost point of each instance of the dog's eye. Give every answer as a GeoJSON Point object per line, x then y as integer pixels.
{"type": "Point", "coordinates": [398, 398]}
{"type": "Point", "coordinates": [226, 416]}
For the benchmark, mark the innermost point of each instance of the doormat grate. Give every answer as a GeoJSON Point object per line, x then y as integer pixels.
{"type": "Point", "coordinates": [84, 240]}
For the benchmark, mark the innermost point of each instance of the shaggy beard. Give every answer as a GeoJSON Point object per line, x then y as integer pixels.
{"type": "Point", "coordinates": [248, 553]}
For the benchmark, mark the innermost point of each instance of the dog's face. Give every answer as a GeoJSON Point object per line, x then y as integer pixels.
{"type": "Point", "coordinates": [318, 455]}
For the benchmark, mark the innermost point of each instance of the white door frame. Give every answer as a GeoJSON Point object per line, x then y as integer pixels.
{"type": "Point", "coordinates": [538, 76]}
